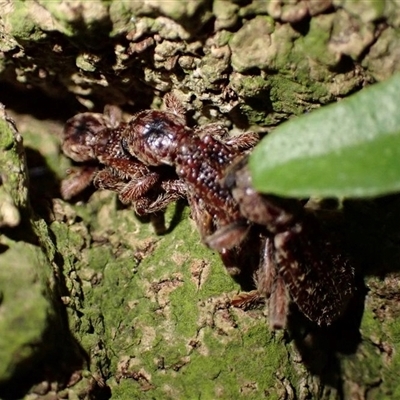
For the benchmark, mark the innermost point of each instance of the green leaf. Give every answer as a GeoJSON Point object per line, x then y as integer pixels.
{"type": "Point", "coordinates": [347, 149]}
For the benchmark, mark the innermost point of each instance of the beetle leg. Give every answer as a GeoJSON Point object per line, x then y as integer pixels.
{"type": "Point", "coordinates": [272, 286]}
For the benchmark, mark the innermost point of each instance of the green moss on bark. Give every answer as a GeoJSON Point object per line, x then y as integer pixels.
{"type": "Point", "coordinates": [153, 312]}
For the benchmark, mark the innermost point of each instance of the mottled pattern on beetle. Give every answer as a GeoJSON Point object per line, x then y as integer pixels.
{"type": "Point", "coordinates": [107, 145]}
{"type": "Point", "coordinates": [201, 162]}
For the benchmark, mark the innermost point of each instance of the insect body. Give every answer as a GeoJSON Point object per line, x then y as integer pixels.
{"type": "Point", "coordinates": [301, 258]}
{"type": "Point", "coordinates": [200, 157]}
{"type": "Point", "coordinates": [156, 158]}
{"type": "Point", "coordinates": [94, 141]}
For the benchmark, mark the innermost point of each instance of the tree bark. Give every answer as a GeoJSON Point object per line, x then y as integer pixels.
{"type": "Point", "coordinates": [149, 316]}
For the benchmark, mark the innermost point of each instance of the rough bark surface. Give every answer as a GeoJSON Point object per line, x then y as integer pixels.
{"type": "Point", "coordinates": [92, 302]}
